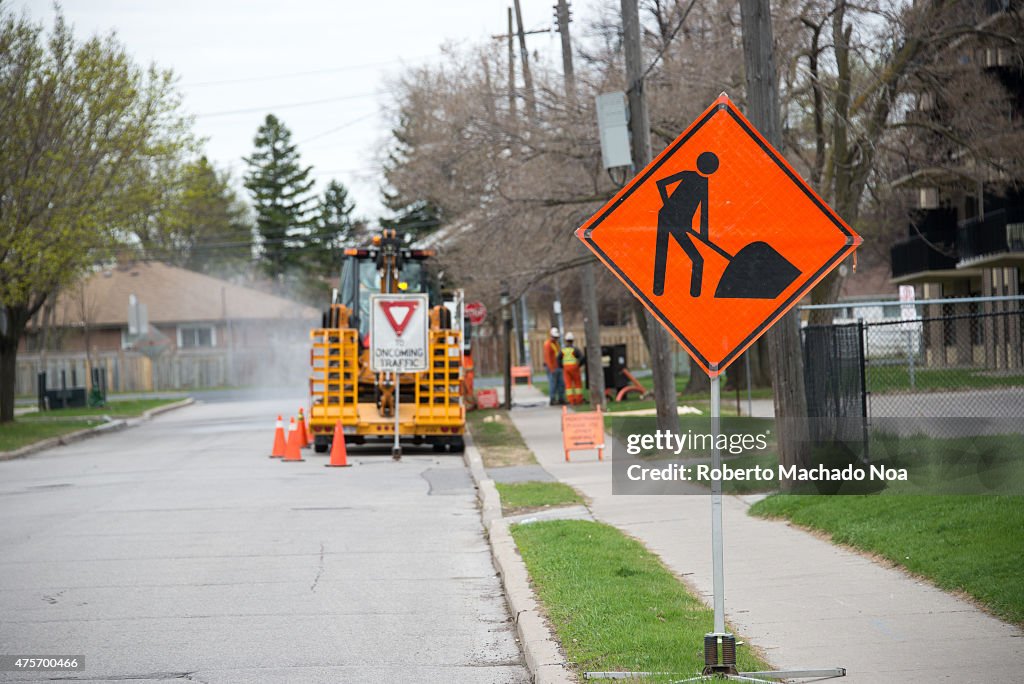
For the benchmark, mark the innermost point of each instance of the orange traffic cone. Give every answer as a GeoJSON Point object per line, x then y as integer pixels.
{"type": "Point", "coordinates": [304, 440]}
{"type": "Point", "coordinates": [339, 457]}
{"type": "Point", "coordinates": [291, 450]}
{"type": "Point", "coordinates": [279, 443]}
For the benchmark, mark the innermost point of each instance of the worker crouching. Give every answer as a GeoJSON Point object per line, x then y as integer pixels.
{"type": "Point", "coordinates": [571, 359]}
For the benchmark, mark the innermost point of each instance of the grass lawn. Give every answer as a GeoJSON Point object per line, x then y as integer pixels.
{"type": "Point", "coordinates": [524, 497]}
{"type": "Point", "coordinates": [127, 408]}
{"type": "Point", "coordinates": [896, 378]}
{"type": "Point", "coordinates": [37, 426]}
{"type": "Point", "coordinates": [24, 432]}
{"type": "Point", "coordinates": [631, 402]}
{"type": "Point", "coordinates": [612, 603]}
{"type": "Point", "coordinates": [968, 543]}
{"type": "Point", "coordinates": [498, 440]}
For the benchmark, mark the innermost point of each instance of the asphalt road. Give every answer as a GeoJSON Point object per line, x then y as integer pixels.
{"type": "Point", "coordinates": [178, 550]}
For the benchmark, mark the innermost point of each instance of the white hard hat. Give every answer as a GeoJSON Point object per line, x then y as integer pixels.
{"type": "Point", "coordinates": [554, 332]}
{"type": "Point", "coordinates": [569, 337]}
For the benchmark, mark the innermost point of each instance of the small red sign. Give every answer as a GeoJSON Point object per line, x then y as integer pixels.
{"type": "Point", "coordinates": [487, 399]}
{"type": "Point", "coordinates": [476, 312]}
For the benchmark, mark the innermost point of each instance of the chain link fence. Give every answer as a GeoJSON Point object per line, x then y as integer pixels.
{"type": "Point", "coordinates": [949, 367]}
{"type": "Point", "coordinates": [951, 359]}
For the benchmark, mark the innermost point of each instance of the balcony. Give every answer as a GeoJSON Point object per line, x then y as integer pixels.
{"type": "Point", "coordinates": [994, 241]}
{"type": "Point", "coordinates": [915, 260]}
{"type": "Point", "coordinates": [936, 225]}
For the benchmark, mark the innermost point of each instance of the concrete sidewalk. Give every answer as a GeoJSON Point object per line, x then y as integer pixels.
{"type": "Point", "coordinates": [803, 601]}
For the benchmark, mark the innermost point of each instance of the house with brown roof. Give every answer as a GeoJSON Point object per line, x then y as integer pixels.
{"type": "Point", "coordinates": [150, 325]}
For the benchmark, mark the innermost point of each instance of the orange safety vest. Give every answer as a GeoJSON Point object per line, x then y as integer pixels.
{"type": "Point", "coordinates": [551, 354]}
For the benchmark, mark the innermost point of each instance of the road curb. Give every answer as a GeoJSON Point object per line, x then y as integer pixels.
{"type": "Point", "coordinates": [541, 650]}
{"type": "Point", "coordinates": [112, 426]}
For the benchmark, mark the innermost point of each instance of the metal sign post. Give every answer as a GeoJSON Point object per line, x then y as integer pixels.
{"type": "Point", "coordinates": [396, 448]}
{"type": "Point", "coordinates": [399, 343]}
{"type": "Point", "coordinates": [720, 645]}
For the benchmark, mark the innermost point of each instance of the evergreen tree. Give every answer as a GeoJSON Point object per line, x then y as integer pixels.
{"type": "Point", "coordinates": [414, 221]}
{"type": "Point", "coordinates": [335, 227]}
{"type": "Point", "coordinates": [280, 188]}
{"type": "Point", "coordinates": [414, 216]}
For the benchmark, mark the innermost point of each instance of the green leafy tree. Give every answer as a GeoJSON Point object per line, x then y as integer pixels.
{"type": "Point", "coordinates": [205, 227]}
{"type": "Point", "coordinates": [76, 120]}
{"type": "Point", "coordinates": [281, 190]}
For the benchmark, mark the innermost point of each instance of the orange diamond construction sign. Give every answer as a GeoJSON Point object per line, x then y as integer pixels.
{"type": "Point", "coordinates": [718, 236]}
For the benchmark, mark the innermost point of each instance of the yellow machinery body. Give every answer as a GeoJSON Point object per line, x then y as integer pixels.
{"type": "Point", "coordinates": [344, 390]}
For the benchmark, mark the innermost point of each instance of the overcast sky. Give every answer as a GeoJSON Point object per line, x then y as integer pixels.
{"type": "Point", "coordinates": [240, 59]}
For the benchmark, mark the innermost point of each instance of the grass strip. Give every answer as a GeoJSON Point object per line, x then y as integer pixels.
{"type": "Point", "coordinates": [498, 440]}
{"type": "Point", "coordinates": [896, 378]}
{"type": "Point", "coordinates": [17, 434]}
{"type": "Point", "coordinates": [524, 497]}
{"type": "Point", "coordinates": [613, 604]}
{"type": "Point", "coordinates": [971, 544]}
{"type": "Point", "coordinates": [128, 408]}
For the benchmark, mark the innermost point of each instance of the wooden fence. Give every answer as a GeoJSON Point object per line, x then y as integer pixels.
{"type": "Point", "coordinates": [133, 372]}
{"type": "Point", "coordinates": [488, 358]}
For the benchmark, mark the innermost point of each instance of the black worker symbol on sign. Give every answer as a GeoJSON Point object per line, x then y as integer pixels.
{"type": "Point", "coordinates": [757, 271]}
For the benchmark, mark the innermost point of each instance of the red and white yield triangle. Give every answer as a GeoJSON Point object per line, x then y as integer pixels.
{"type": "Point", "coordinates": [399, 319]}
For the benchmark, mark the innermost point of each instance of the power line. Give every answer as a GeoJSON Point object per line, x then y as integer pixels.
{"type": "Point", "coordinates": [336, 128]}
{"type": "Point", "coordinates": [290, 105]}
{"type": "Point", "coordinates": [295, 74]}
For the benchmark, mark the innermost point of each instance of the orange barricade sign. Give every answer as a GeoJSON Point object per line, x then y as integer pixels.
{"type": "Point", "coordinates": [521, 373]}
{"type": "Point", "coordinates": [487, 399]}
{"type": "Point", "coordinates": [583, 431]}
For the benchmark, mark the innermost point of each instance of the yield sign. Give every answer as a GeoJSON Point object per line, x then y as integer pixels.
{"type": "Point", "coordinates": [398, 314]}
{"type": "Point", "coordinates": [718, 236]}
{"type": "Point", "coordinates": [399, 333]}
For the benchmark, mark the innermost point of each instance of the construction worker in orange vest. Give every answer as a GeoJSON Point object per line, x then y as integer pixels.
{"type": "Point", "coordinates": [556, 383]}
{"type": "Point", "coordinates": [571, 359]}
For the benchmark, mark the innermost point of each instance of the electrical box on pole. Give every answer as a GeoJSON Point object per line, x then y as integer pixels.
{"type": "Point", "coordinates": [613, 125]}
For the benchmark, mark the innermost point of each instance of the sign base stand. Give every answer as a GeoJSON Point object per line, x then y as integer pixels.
{"type": "Point", "coordinates": [719, 645]}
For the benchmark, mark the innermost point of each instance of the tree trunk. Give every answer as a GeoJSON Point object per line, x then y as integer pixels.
{"type": "Point", "coordinates": [11, 329]}
{"type": "Point", "coordinates": [762, 371]}
{"type": "Point", "coordinates": [640, 133]}
{"type": "Point", "coordinates": [640, 314]}
{"type": "Point", "coordinates": [784, 337]}
{"type": "Point", "coordinates": [592, 329]}
{"type": "Point", "coordinates": [699, 380]}
{"type": "Point", "coordinates": [825, 292]}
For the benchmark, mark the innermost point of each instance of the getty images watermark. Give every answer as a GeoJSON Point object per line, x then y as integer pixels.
{"type": "Point", "coordinates": [896, 456]}
{"type": "Point", "coordinates": [665, 442]}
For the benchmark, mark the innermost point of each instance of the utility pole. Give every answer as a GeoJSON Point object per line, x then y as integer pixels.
{"type": "Point", "coordinates": [527, 78]}
{"type": "Point", "coordinates": [783, 338]}
{"type": "Point", "coordinates": [531, 103]}
{"type": "Point", "coordinates": [591, 320]}
{"type": "Point", "coordinates": [511, 69]}
{"type": "Point", "coordinates": [640, 132]}
{"type": "Point", "coordinates": [568, 72]}
{"type": "Point", "coordinates": [506, 320]}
